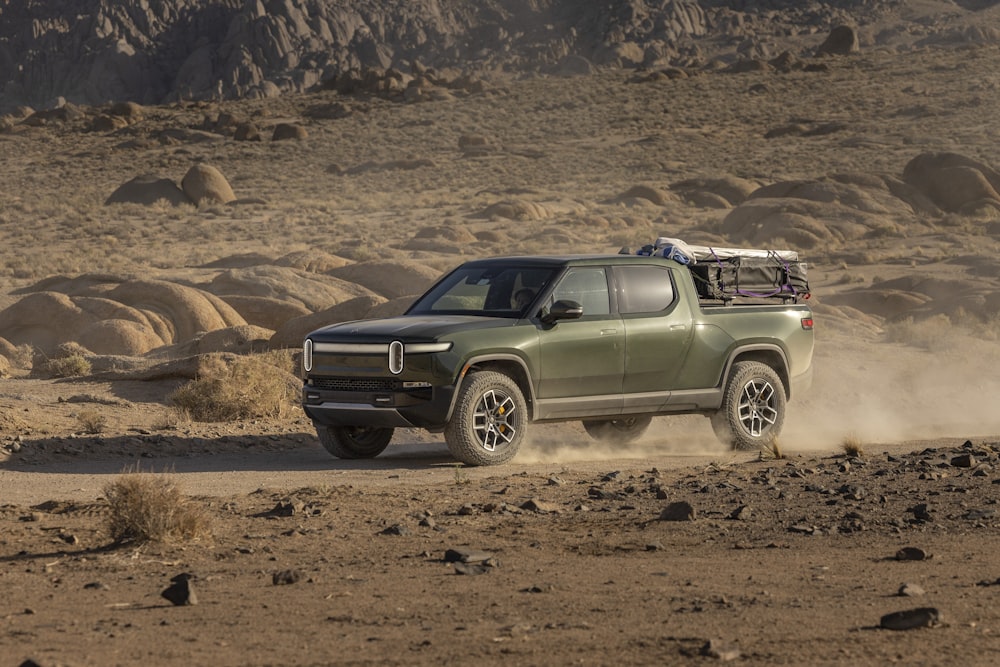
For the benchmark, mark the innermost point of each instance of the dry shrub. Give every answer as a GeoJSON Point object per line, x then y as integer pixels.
{"type": "Point", "coordinates": [146, 507]}
{"type": "Point", "coordinates": [23, 357]}
{"type": "Point", "coordinates": [91, 421]}
{"type": "Point", "coordinates": [251, 387]}
{"type": "Point", "coordinates": [933, 333]}
{"type": "Point", "coordinates": [772, 452]}
{"type": "Point", "coordinates": [853, 446]}
{"type": "Point", "coordinates": [73, 365]}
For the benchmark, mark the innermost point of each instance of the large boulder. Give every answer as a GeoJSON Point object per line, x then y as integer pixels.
{"type": "Point", "coordinates": [314, 292]}
{"type": "Point", "coordinates": [293, 332]}
{"type": "Point", "coordinates": [265, 311]}
{"type": "Point", "coordinates": [401, 278]}
{"type": "Point", "coordinates": [954, 182]}
{"type": "Point", "coordinates": [206, 184]}
{"type": "Point", "coordinates": [148, 189]}
{"type": "Point", "coordinates": [797, 223]}
{"type": "Point", "coordinates": [842, 41]}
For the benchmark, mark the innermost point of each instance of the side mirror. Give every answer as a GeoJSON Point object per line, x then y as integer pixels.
{"type": "Point", "coordinates": [563, 310]}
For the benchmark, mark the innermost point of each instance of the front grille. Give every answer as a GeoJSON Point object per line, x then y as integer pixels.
{"type": "Point", "coordinates": [357, 384]}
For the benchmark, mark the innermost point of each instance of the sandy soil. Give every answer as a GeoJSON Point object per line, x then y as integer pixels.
{"type": "Point", "coordinates": [789, 561]}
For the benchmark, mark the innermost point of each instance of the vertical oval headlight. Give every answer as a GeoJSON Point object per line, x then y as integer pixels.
{"type": "Point", "coordinates": [307, 355]}
{"type": "Point", "coordinates": [395, 357]}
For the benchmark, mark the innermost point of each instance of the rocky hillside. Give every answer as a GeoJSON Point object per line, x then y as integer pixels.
{"type": "Point", "coordinates": [154, 51]}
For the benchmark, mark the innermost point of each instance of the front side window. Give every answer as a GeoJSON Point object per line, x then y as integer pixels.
{"type": "Point", "coordinates": [586, 285]}
{"type": "Point", "coordinates": [644, 289]}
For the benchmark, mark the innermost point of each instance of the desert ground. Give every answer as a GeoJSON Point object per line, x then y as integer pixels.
{"type": "Point", "coordinates": [673, 551]}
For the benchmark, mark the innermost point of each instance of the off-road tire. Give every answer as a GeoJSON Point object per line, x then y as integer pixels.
{"type": "Point", "coordinates": [354, 442]}
{"type": "Point", "coordinates": [489, 421]}
{"type": "Point", "coordinates": [617, 431]}
{"type": "Point", "coordinates": [753, 407]}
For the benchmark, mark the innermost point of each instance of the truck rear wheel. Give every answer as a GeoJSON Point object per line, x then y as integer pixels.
{"type": "Point", "coordinates": [617, 431]}
{"type": "Point", "coordinates": [489, 421]}
{"type": "Point", "coordinates": [354, 442]}
{"type": "Point", "coordinates": [753, 407]}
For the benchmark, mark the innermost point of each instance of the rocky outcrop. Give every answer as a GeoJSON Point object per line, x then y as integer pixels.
{"type": "Point", "coordinates": [92, 51]}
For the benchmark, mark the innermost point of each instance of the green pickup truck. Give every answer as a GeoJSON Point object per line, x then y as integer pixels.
{"type": "Point", "coordinates": [500, 343]}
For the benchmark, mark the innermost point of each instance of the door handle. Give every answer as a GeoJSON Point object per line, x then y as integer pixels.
{"type": "Point", "coordinates": [677, 327]}
{"type": "Point", "coordinates": [608, 332]}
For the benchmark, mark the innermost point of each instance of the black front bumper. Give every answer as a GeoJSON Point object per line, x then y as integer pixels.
{"type": "Point", "coordinates": [426, 408]}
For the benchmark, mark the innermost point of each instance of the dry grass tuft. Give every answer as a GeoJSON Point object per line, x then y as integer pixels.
{"type": "Point", "coordinates": [91, 421]}
{"type": "Point", "coordinates": [853, 446]}
{"type": "Point", "coordinates": [251, 387]}
{"type": "Point", "coordinates": [146, 507]}
{"type": "Point", "coordinates": [772, 452]}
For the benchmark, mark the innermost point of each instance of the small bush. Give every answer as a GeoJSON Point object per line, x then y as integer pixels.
{"type": "Point", "coordinates": [23, 357]}
{"type": "Point", "coordinates": [145, 507]}
{"type": "Point", "coordinates": [853, 446]}
{"type": "Point", "coordinates": [75, 365]}
{"type": "Point", "coordinates": [91, 421]}
{"type": "Point", "coordinates": [249, 388]}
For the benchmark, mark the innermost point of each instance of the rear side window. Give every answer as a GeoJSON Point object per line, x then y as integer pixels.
{"type": "Point", "coordinates": [644, 289]}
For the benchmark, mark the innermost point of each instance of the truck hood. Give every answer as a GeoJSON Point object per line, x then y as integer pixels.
{"type": "Point", "coordinates": [406, 328]}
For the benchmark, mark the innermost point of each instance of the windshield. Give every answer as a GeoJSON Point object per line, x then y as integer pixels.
{"type": "Point", "coordinates": [496, 291]}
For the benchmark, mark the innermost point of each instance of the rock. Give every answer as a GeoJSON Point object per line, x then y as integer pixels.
{"type": "Point", "coordinates": [714, 648]}
{"type": "Point", "coordinates": [286, 131]}
{"type": "Point", "coordinates": [147, 190]}
{"type": "Point", "coordinates": [910, 590]}
{"type": "Point", "coordinates": [574, 65]}
{"type": "Point", "coordinates": [678, 511]}
{"type": "Point", "coordinates": [466, 555]}
{"type": "Point", "coordinates": [910, 619]}
{"type": "Point", "coordinates": [742, 513]}
{"type": "Point", "coordinates": [204, 184]}
{"type": "Point", "coordinates": [286, 577]}
{"type": "Point", "coordinates": [912, 553]}
{"type": "Point", "coordinates": [293, 332]}
{"type": "Point", "coordinates": [842, 41]}
{"type": "Point", "coordinates": [181, 591]}
{"type": "Point", "coordinates": [647, 192]}
{"type": "Point", "coordinates": [920, 512]}
{"type": "Point", "coordinates": [395, 529]}
{"type": "Point", "coordinates": [246, 132]}
{"type": "Point", "coordinates": [470, 568]}
{"type": "Point", "coordinates": [401, 278]}
{"type": "Point", "coordinates": [964, 461]}
{"type": "Point", "coordinates": [954, 182]}
{"type": "Point", "coordinates": [539, 506]}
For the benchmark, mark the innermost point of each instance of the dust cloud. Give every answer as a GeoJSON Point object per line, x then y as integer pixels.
{"type": "Point", "coordinates": [883, 392]}
{"type": "Point", "coordinates": [863, 389]}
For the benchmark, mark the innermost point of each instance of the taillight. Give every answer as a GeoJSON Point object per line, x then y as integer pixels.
{"type": "Point", "coordinates": [807, 323]}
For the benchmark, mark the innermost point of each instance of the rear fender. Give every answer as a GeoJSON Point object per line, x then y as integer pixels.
{"type": "Point", "coordinates": [771, 355]}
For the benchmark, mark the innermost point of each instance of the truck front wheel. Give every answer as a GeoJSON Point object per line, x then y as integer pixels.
{"type": "Point", "coordinates": [354, 442]}
{"type": "Point", "coordinates": [489, 421]}
{"type": "Point", "coordinates": [753, 407]}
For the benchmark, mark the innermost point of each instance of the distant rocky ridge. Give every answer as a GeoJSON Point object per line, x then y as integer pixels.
{"type": "Point", "coordinates": [155, 51]}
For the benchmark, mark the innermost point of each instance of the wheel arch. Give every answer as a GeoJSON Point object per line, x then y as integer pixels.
{"type": "Point", "coordinates": [768, 354]}
{"type": "Point", "coordinates": [509, 364]}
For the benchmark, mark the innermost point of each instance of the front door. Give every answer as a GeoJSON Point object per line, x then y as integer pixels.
{"type": "Point", "coordinates": [582, 361]}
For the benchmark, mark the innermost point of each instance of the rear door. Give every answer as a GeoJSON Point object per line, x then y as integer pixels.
{"type": "Point", "coordinates": [658, 331]}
